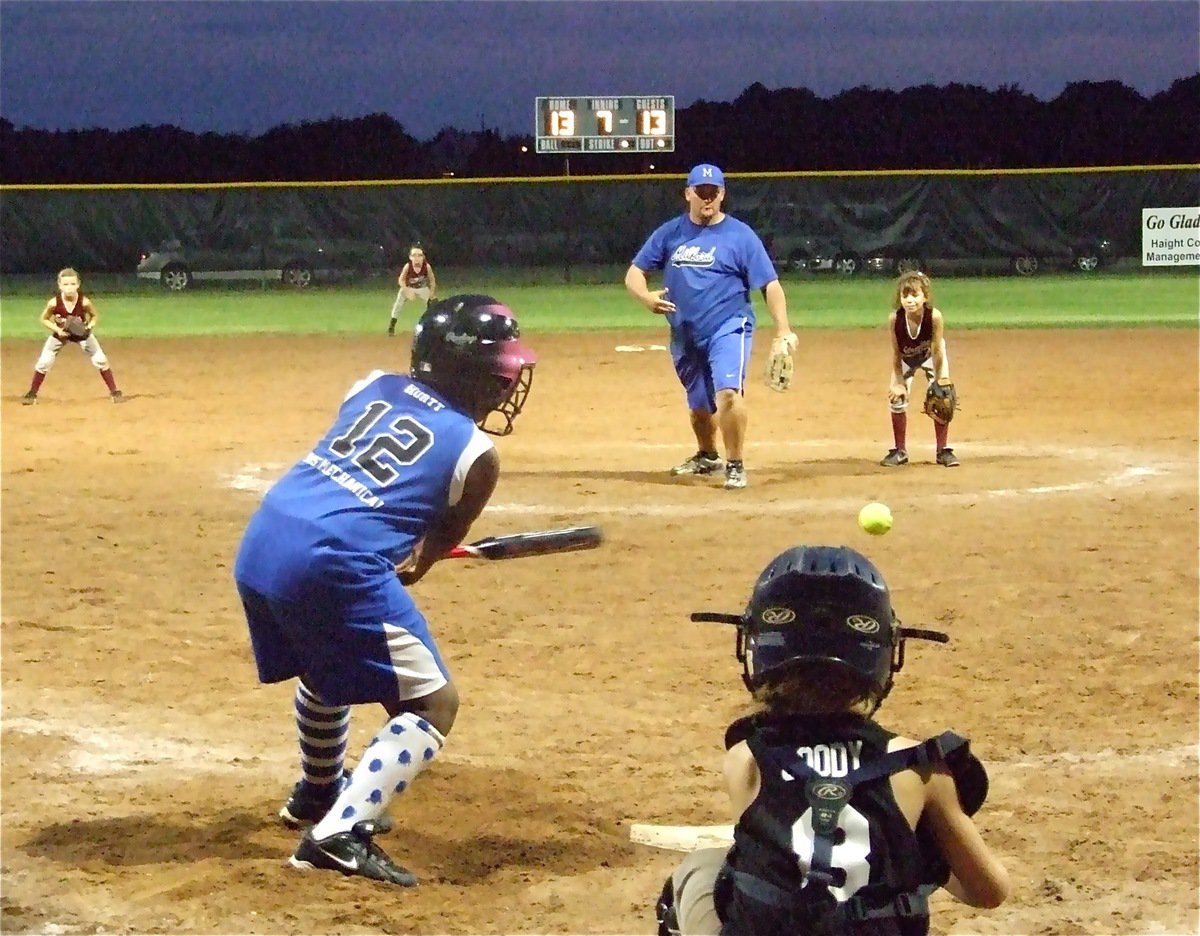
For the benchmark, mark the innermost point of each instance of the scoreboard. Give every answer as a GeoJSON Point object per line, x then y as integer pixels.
{"type": "Point", "coordinates": [630, 124]}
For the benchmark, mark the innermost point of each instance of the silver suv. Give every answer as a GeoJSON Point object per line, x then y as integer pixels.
{"type": "Point", "coordinates": [297, 262]}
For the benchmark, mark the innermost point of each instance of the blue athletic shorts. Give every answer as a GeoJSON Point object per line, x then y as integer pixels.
{"type": "Point", "coordinates": [344, 661]}
{"type": "Point", "coordinates": [705, 366]}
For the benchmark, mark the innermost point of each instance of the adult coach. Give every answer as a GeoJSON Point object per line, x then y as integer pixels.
{"type": "Point", "coordinates": [710, 262]}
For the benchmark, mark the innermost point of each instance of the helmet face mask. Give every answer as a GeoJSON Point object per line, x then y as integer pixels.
{"type": "Point", "coordinates": [468, 347]}
{"type": "Point", "coordinates": [820, 604]}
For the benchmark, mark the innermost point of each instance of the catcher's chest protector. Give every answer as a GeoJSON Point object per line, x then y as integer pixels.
{"type": "Point", "coordinates": [829, 846]}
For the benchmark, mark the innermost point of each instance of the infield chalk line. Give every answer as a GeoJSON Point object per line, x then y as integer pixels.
{"type": "Point", "coordinates": [105, 749]}
{"type": "Point", "coordinates": [1107, 761]}
{"type": "Point", "coordinates": [1126, 467]}
{"type": "Point", "coordinates": [1125, 477]}
{"type": "Point", "coordinates": [115, 751]}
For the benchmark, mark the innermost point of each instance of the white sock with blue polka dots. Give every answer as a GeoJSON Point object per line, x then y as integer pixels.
{"type": "Point", "coordinates": [401, 750]}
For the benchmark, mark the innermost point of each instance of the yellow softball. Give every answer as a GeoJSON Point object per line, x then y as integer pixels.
{"type": "Point", "coordinates": [875, 518]}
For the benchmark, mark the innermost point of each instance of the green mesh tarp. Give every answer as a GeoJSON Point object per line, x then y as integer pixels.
{"type": "Point", "coordinates": [586, 220]}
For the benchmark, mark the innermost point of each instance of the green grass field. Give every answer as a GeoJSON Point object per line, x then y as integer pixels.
{"type": "Point", "coordinates": [130, 309]}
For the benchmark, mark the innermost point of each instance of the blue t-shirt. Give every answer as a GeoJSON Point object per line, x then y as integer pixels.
{"type": "Point", "coordinates": [708, 270]}
{"type": "Point", "coordinates": [352, 508]}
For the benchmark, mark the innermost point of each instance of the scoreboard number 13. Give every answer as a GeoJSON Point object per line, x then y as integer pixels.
{"type": "Point", "coordinates": [561, 123]}
{"type": "Point", "coordinates": [629, 124]}
{"type": "Point", "coordinates": [652, 122]}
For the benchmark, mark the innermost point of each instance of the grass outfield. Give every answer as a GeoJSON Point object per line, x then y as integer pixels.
{"type": "Point", "coordinates": [133, 310]}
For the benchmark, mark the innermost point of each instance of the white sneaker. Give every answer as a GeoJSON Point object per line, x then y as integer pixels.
{"type": "Point", "coordinates": [735, 477]}
{"type": "Point", "coordinates": [698, 464]}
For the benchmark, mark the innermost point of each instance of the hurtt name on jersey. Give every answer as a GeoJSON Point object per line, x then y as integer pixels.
{"type": "Point", "coordinates": [342, 479]}
{"type": "Point", "coordinates": [835, 759]}
{"type": "Point", "coordinates": [418, 394]}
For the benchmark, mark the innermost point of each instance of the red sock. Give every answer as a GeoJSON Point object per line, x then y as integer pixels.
{"type": "Point", "coordinates": [108, 380]}
{"type": "Point", "coordinates": [38, 377]}
{"type": "Point", "coordinates": [900, 428]}
{"type": "Point", "coordinates": [940, 431]}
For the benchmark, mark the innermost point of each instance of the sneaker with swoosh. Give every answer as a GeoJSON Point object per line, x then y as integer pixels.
{"type": "Point", "coordinates": [353, 854]}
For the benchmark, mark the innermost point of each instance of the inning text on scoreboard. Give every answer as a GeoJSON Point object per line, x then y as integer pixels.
{"type": "Point", "coordinates": [626, 124]}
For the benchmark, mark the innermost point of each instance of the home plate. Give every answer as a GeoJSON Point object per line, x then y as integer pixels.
{"type": "Point", "coordinates": [681, 838]}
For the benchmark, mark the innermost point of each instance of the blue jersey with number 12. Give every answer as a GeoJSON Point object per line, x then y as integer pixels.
{"type": "Point", "coordinates": [334, 527]}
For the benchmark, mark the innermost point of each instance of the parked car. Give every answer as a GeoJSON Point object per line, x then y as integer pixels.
{"type": "Point", "coordinates": [297, 262]}
{"type": "Point", "coordinates": [815, 253]}
{"type": "Point", "coordinates": [1087, 256]}
{"type": "Point", "coordinates": [798, 238]}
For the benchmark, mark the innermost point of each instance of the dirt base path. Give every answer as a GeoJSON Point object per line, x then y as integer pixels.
{"type": "Point", "coordinates": [143, 765]}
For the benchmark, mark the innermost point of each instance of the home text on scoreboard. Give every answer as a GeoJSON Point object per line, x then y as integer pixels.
{"type": "Point", "coordinates": [626, 124]}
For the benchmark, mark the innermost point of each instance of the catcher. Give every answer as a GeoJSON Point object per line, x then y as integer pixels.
{"type": "Point", "coordinates": [919, 344]}
{"type": "Point", "coordinates": [842, 826]}
{"type": "Point", "coordinates": [71, 318]}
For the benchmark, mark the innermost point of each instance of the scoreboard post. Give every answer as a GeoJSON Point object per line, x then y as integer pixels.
{"type": "Point", "coordinates": [565, 126]}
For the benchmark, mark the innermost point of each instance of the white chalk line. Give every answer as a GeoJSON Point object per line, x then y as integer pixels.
{"type": "Point", "coordinates": [105, 749]}
{"type": "Point", "coordinates": [1125, 469]}
{"type": "Point", "coordinates": [116, 751]}
{"type": "Point", "coordinates": [1107, 761]}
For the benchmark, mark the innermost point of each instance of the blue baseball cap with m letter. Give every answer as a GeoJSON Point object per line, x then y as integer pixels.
{"type": "Point", "coordinates": [706, 174]}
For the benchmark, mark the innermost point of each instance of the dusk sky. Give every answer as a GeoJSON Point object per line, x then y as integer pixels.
{"type": "Point", "coordinates": [248, 66]}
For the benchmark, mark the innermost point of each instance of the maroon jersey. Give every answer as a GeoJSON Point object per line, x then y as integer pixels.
{"type": "Point", "coordinates": [915, 350]}
{"type": "Point", "coordinates": [414, 278]}
{"type": "Point", "coordinates": [61, 313]}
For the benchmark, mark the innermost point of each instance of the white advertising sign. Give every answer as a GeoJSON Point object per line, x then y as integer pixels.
{"type": "Point", "coordinates": [1170, 236]}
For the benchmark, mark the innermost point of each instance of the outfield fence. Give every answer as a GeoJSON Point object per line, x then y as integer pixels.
{"type": "Point", "coordinates": [559, 223]}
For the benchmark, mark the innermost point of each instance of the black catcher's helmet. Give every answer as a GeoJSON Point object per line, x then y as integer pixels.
{"type": "Point", "coordinates": [826, 604]}
{"type": "Point", "coordinates": [468, 347]}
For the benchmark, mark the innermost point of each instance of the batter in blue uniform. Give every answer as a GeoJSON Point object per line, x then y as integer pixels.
{"type": "Point", "coordinates": [710, 262]}
{"type": "Point", "coordinates": [395, 483]}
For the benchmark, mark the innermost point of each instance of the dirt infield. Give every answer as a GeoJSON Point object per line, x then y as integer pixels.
{"type": "Point", "coordinates": [143, 764]}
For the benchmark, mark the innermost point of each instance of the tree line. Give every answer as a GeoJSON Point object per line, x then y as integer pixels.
{"type": "Point", "coordinates": [789, 129]}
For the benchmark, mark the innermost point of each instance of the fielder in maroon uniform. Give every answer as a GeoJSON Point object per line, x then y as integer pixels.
{"type": "Point", "coordinates": [416, 281]}
{"type": "Point", "coordinates": [918, 344]}
{"type": "Point", "coordinates": [69, 302]}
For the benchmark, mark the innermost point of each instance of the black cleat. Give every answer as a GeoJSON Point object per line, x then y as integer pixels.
{"type": "Point", "coordinates": [947, 459]}
{"type": "Point", "coordinates": [895, 458]}
{"type": "Point", "coordinates": [29, 399]}
{"type": "Point", "coordinates": [309, 803]}
{"type": "Point", "coordinates": [351, 853]}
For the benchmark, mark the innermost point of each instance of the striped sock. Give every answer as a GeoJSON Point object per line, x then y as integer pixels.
{"type": "Point", "coordinates": [401, 750]}
{"type": "Point", "coordinates": [323, 731]}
